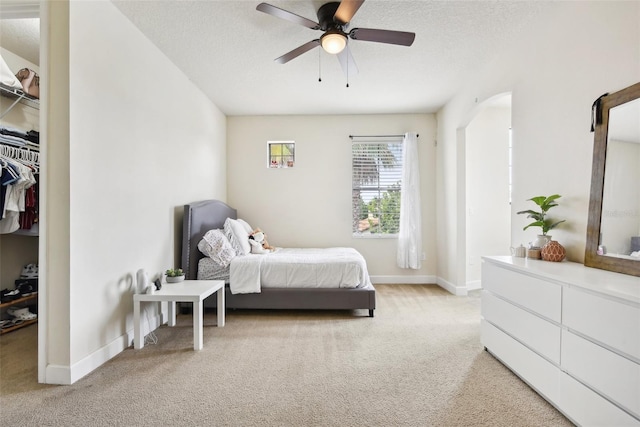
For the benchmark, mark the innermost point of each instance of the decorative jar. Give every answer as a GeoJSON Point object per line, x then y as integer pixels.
{"type": "Point", "coordinates": [553, 251]}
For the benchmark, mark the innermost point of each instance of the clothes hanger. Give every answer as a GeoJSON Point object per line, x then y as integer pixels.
{"type": "Point", "coordinates": [26, 157]}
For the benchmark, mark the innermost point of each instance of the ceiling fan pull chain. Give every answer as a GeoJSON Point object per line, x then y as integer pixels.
{"type": "Point", "coordinates": [319, 65]}
{"type": "Point", "coordinates": [348, 55]}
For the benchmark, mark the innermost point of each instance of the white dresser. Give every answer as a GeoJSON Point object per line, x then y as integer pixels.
{"type": "Point", "coordinates": [569, 331]}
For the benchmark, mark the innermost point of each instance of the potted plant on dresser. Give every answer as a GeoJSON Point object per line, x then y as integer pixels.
{"type": "Point", "coordinates": [550, 250]}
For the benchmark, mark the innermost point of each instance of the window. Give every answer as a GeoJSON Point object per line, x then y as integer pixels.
{"type": "Point", "coordinates": [376, 187]}
{"type": "Point", "coordinates": [281, 154]}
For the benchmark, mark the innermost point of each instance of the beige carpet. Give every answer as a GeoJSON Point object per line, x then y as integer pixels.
{"type": "Point", "coordinates": [419, 362]}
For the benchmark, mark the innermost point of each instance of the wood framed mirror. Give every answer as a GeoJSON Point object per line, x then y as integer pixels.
{"type": "Point", "coordinates": [613, 229]}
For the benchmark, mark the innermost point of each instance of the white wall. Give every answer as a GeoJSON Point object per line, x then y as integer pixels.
{"type": "Point", "coordinates": [487, 188]}
{"type": "Point", "coordinates": [562, 63]}
{"type": "Point", "coordinates": [309, 205]}
{"type": "Point", "coordinates": [142, 141]}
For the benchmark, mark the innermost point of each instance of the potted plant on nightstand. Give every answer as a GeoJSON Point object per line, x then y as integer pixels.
{"type": "Point", "coordinates": [540, 219]}
{"type": "Point", "coordinates": [175, 275]}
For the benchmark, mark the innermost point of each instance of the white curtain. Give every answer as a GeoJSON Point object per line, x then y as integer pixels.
{"type": "Point", "coordinates": [410, 236]}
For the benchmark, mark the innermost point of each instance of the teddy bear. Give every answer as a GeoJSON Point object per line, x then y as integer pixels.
{"type": "Point", "coordinates": [258, 241]}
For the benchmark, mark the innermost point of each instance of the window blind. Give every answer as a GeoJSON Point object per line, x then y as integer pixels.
{"type": "Point", "coordinates": [376, 186]}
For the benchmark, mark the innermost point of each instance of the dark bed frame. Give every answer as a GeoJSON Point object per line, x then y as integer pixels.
{"type": "Point", "coordinates": [200, 217]}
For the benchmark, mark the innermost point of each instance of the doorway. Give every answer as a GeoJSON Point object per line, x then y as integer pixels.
{"type": "Point", "coordinates": [21, 41]}
{"type": "Point", "coordinates": [487, 183]}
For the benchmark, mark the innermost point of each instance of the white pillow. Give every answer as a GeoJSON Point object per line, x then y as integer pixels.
{"type": "Point", "coordinates": [246, 225]}
{"type": "Point", "coordinates": [238, 236]}
{"type": "Point", "coordinates": [216, 246]}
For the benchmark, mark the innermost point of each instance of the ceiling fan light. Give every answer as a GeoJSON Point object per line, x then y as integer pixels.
{"type": "Point", "coordinates": [333, 42]}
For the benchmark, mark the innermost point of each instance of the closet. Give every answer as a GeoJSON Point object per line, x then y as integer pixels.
{"type": "Point", "coordinates": [20, 155]}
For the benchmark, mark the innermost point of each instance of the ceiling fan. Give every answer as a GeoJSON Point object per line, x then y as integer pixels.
{"type": "Point", "coordinates": [333, 20]}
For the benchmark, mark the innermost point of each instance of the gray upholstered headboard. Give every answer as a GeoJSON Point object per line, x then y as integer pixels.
{"type": "Point", "coordinates": [200, 217]}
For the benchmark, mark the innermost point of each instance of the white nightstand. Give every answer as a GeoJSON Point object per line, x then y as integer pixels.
{"type": "Point", "coordinates": [194, 291]}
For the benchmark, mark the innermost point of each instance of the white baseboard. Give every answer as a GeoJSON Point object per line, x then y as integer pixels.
{"type": "Point", "coordinates": [97, 358]}
{"type": "Point", "coordinates": [65, 375]}
{"type": "Point", "coordinates": [57, 374]}
{"type": "Point", "coordinates": [413, 280]}
{"type": "Point", "coordinates": [474, 284]}
{"type": "Point", "coordinates": [421, 280]}
{"type": "Point", "coordinates": [448, 286]}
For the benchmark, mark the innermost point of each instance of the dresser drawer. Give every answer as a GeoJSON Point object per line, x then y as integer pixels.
{"type": "Point", "coordinates": [533, 293]}
{"type": "Point", "coordinates": [586, 408]}
{"type": "Point", "coordinates": [610, 322]}
{"type": "Point", "coordinates": [614, 376]}
{"type": "Point", "coordinates": [539, 373]}
{"type": "Point", "coordinates": [538, 334]}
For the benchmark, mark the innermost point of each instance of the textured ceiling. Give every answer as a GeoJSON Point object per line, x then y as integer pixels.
{"type": "Point", "coordinates": [227, 49]}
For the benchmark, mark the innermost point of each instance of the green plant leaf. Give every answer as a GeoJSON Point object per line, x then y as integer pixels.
{"type": "Point", "coordinates": [535, 224]}
{"type": "Point", "coordinates": [545, 203]}
{"type": "Point", "coordinates": [555, 224]}
{"type": "Point", "coordinates": [533, 214]}
{"type": "Point", "coordinates": [538, 200]}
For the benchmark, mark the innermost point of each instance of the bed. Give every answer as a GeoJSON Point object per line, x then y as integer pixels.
{"type": "Point", "coordinates": [203, 216]}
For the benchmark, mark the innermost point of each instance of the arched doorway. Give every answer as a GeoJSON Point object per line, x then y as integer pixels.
{"type": "Point", "coordinates": [485, 145]}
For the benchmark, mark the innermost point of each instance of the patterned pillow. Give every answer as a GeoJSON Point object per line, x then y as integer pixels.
{"type": "Point", "coordinates": [238, 236]}
{"type": "Point", "coordinates": [216, 246]}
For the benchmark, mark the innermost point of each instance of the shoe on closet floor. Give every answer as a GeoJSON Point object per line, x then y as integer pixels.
{"type": "Point", "coordinates": [7, 295]}
{"type": "Point", "coordinates": [26, 289]}
{"type": "Point", "coordinates": [29, 271]}
{"type": "Point", "coordinates": [10, 322]}
{"type": "Point", "coordinates": [21, 313]}
{"type": "Point", "coordinates": [33, 283]}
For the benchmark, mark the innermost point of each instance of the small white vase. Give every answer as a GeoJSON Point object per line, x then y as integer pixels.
{"type": "Point", "coordinates": [540, 241]}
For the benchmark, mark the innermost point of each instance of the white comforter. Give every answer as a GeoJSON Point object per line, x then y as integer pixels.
{"type": "Point", "coordinates": [299, 268]}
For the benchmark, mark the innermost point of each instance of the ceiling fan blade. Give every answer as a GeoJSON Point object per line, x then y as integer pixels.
{"type": "Point", "coordinates": [284, 14]}
{"type": "Point", "coordinates": [346, 10]}
{"type": "Point", "coordinates": [347, 62]}
{"type": "Point", "coordinates": [383, 36]}
{"type": "Point", "coordinates": [298, 51]}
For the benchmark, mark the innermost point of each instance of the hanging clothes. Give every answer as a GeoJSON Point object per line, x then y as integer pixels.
{"type": "Point", "coordinates": [10, 174]}
{"type": "Point", "coordinates": [18, 198]}
{"type": "Point", "coordinates": [29, 216]}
